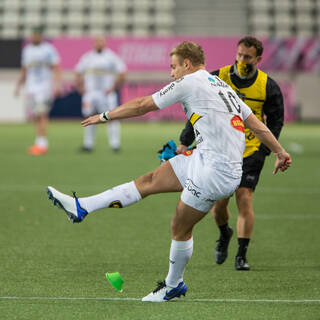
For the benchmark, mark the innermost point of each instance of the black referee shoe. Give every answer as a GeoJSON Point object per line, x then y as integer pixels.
{"type": "Point", "coordinates": [221, 252]}
{"type": "Point", "coordinates": [241, 264]}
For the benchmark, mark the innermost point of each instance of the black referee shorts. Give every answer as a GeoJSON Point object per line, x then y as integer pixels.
{"type": "Point", "coordinates": [251, 169]}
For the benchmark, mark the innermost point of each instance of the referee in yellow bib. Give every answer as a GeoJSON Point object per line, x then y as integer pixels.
{"type": "Point", "coordinates": [263, 96]}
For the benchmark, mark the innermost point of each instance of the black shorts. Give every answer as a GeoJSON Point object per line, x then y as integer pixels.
{"type": "Point", "coordinates": [251, 169]}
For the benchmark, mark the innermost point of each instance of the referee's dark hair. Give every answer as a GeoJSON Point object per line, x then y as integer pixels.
{"type": "Point", "coordinates": [252, 42]}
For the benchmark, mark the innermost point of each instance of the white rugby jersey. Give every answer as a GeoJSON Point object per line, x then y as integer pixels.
{"type": "Point", "coordinates": [215, 112]}
{"type": "Point", "coordinates": [38, 60]}
{"type": "Point", "coordinates": [100, 69]}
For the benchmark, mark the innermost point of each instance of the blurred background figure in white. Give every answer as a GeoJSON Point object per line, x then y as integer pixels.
{"type": "Point", "coordinates": [40, 72]}
{"type": "Point", "coordinates": [99, 75]}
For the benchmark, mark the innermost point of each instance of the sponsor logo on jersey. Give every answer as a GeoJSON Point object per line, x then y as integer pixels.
{"type": "Point", "coordinates": [199, 140]}
{"type": "Point", "coordinates": [191, 187]}
{"type": "Point", "coordinates": [237, 123]}
{"type": "Point", "coordinates": [188, 152]}
{"type": "Point", "coordinates": [166, 90]}
{"type": "Point", "coordinates": [115, 204]}
{"type": "Point", "coordinates": [216, 82]}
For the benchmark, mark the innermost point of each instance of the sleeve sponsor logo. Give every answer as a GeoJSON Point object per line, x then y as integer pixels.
{"type": "Point", "coordinates": [166, 90]}
{"type": "Point", "coordinates": [237, 123]}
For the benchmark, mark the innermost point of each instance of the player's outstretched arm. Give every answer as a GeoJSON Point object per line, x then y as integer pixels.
{"type": "Point", "coordinates": [283, 159]}
{"type": "Point", "coordinates": [134, 108]}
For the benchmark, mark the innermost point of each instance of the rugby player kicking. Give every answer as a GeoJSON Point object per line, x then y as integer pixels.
{"type": "Point", "coordinates": [213, 171]}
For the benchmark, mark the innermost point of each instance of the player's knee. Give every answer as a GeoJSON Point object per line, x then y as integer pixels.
{"type": "Point", "coordinates": [145, 184]}
{"type": "Point", "coordinates": [179, 231]}
{"type": "Point", "coordinates": [175, 226]}
{"type": "Point", "coordinates": [149, 179]}
{"type": "Point", "coordinates": [245, 206]}
{"type": "Point", "coordinates": [244, 198]}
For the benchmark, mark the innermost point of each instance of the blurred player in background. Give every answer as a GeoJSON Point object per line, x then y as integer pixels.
{"type": "Point", "coordinates": [212, 172]}
{"type": "Point", "coordinates": [40, 71]}
{"type": "Point", "coordinates": [263, 96]}
{"type": "Point", "coordinates": [99, 74]}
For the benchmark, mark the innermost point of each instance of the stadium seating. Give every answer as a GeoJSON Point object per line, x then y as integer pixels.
{"type": "Point", "coordinates": [286, 17]}
{"type": "Point", "coordinates": [160, 17]}
{"type": "Point", "coordinates": [81, 17]}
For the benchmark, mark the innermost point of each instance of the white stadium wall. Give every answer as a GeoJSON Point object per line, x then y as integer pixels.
{"type": "Point", "coordinates": [12, 108]}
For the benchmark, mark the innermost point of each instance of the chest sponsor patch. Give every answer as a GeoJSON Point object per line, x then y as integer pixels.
{"type": "Point", "coordinates": [188, 153]}
{"type": "Point", "coordinates": [237, 123]}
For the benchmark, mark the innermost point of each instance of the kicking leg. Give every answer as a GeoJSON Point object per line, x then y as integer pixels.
{"type": "Point", "coordinates": [160, 180]}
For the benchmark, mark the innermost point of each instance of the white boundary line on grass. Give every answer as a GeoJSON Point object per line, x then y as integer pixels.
{"type": "Point", "coordinates": [139, 299]}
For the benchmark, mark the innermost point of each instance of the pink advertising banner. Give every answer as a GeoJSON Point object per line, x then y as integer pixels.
{"type": "Point", "coordinates": [151, 54]}
{"type": "Point", "coordinates": [148, 54]}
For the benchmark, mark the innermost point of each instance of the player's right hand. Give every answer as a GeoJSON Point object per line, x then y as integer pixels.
{"type": "Point", "coordinates": [91, 120]}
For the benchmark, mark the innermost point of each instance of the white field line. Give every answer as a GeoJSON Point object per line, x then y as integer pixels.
{"type": "Point", "coordinates": [139, 299]}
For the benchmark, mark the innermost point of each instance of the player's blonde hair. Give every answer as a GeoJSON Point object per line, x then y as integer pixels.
{"type": "Point", "coordinates": [191, 51]}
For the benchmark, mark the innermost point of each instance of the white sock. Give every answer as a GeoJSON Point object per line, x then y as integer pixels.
{"type": "Point", "coordinates": [88, 137]}
{"type": "Point", "coordinates": [113, 130]}
{"type": "Point", "coordinates": [180, 253]}
{"type": "Point", "coordinates": [42, 142]}
{"type": "Point", "coordinates": [120, 196]}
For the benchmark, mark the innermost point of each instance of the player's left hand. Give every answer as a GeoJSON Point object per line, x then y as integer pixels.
{"type": "Point", "coordinates": [283, 162]}
{"type": "Point", "coordinates": [168, 151]}
{"type": "Point", "coordinates": [181, 149]}
{"type": "Point", "coordinates": [91, 120]}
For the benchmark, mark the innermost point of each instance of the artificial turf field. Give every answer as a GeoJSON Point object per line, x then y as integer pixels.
{"type": "Point", "coordinates": [53, 269]}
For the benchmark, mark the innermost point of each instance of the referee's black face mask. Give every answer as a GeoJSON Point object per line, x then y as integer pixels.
{"type": "Point", "coordinates": [244, 69]}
